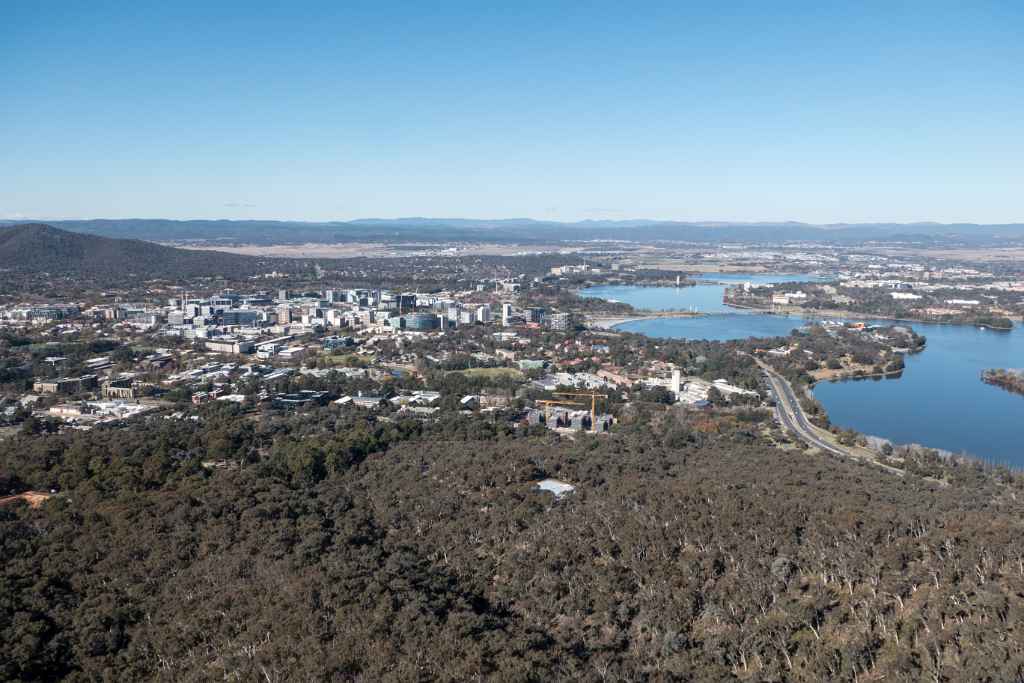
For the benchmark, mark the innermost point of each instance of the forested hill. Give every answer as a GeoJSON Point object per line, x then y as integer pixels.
{"type": "Point", "coordinates": [332, 548]}
{"type": "Point", "coordinates": [40, 248]}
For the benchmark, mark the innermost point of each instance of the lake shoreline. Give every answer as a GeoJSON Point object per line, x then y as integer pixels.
{"type": "Point", "coordinates": [1006, 380]}
{"type": "Point", "coordinates": [612, 322]}
{"type": "Point", "coordinates": [837, 313]}
{"type": "Point", "coordinates": [896, 374]}
{"type": "Point", "coordinates": [936, 400]}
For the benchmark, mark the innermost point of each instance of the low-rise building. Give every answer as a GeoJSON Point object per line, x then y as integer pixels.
{"type": "Point", "coordinates": [65, 385]}
{"type": "Point", "coordinates": [229, 345]}
{"type": "Point", "coordinates": [788, 298]}
{"type": "Point", "coordinates": [300, 398]}
{"type": "Point", "coordinates": [360, 401]}
{"type": "Point", "coordinates": [120, 388]}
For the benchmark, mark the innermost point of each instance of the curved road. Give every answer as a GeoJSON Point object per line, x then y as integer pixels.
{"type": "Point", "coordinates": [791, 415]}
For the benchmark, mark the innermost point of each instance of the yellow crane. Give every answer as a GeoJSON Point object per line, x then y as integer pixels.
{"type": "Point", "coordinates": [547, 403]}
{"type": "Point", "coordinates": [593, 405]}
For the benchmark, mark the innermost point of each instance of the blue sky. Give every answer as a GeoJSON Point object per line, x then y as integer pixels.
{"type": "Point", "coordinates": [333, 110]}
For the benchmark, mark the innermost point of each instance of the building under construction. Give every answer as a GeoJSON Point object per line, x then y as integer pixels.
{"type": "Point", "coordinates": [565, 418]}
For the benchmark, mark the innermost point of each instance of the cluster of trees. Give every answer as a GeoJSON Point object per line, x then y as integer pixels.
{"type": "Point", "coordinates": [875, 351]}
{"type": "Point", "coordinates": [992, 320]}
{"type": "Point", "coordinates": [332, 546]}
{"type": "Point", "coordinates": [559, 297]}
{"type": "Point", "coordinates": [879, 301]}
{"type": "Point", "coordinates": [709, 360]}
{"type": "Point", "coordinates": [1011, 380]}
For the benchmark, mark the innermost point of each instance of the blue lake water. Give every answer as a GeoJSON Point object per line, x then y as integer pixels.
{"type": "Point", "coordinates": [939, 401]}
{"type": "Point", "coordinates": [706, 298]}
{"type": "Point", "coordinates": [717, 327]}
{"type": "Point", "coordinates": [755, 278]}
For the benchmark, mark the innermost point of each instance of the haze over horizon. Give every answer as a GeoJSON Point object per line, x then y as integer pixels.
{"type": "Point", "coordinates": [799, 113]}
{"type": "Point", "coordinates": [514, 220]}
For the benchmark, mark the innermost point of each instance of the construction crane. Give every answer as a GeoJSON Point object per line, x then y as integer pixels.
{"type": "Point", "coordinates": [547, 403]}
{"type": "Point", "coordinates": [593, 405]}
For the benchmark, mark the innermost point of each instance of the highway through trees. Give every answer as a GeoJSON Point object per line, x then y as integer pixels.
{"type": "Point", "coordinates": [791, 414]}
{"type": "Point", "coordinates": [792, 417]}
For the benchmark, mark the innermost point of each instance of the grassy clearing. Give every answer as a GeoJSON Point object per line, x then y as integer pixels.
{"type": "Point", "coordinates": [350, 360]}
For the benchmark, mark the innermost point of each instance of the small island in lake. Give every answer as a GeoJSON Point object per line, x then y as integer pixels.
{"type": "Point", "coordinates": [994, 322]}
{"type": "Point", "coordinates": [1011, 380]}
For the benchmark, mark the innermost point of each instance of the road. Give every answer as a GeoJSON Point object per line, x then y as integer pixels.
{"type": "Point", "coordinates": [791, 415]}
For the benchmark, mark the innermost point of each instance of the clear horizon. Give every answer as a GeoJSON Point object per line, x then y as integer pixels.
{"type": "Point", "coordinates": [31, 219]}
{"type": "Point", "coordinates": [789, 112]}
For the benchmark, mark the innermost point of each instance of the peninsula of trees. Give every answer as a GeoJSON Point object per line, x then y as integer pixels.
{"type": "Point", "coordinates": [1011, 380]}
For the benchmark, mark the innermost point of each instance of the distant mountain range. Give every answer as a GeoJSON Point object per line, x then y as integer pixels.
{"type": "Point", "coordinates": [525, 230]}
{"type": "Point", "coordinates": [36, 247]}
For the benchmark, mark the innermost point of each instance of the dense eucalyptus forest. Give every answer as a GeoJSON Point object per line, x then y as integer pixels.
{"type": "Point", "coordinates": [326, 545]}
